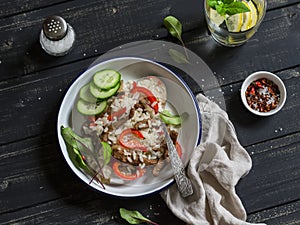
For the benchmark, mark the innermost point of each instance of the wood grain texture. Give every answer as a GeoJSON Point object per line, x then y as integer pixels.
{"type": "Point", "coordinates": [288, 214]}
{"type": "Point", "coordinates": [12, 7]}
{"type": "Point", "coordinates": [93, 38]}
{"type": "Point", "coordinates": [36, 184]}
{"type": "Point", "coordinates": [39, 170]}
{"type": "Point", "coordinates": [95, 33]}
{"type": "Point", "coordinates": [273, 48]}
{"type": "Point", "coordinates": [45, 190]}
{"type": "Point", "coordinates": [274, 166]}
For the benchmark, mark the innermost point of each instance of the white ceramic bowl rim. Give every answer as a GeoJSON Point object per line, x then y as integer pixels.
{"type": "Point", "coordinates": [66, 109]}
{"type": "Point", "coordinates": [270, 76]}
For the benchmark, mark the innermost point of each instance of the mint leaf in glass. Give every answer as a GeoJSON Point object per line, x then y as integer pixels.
{"type": "Point", "coordinates": [229, 7]}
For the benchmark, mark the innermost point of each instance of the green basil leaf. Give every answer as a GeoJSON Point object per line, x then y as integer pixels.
{"type": "Point", "coordinates": [81, 153]}
{"type": "Point", "coordinates": [134, 217]}
{"type": "Point", "coordinates": [174, 26]}
{"type": "Point", "coordinates": [212, 3]}
{"type": "Point", "coordinates": [75, 140]}
{"type": "Point", "coordinates": [228, 1]}
{"type": "Point", "coordinates": [77, 159]}
{"type": "Point", "coordinates": [107, 151]}
{"type": "Point", "coordinates": [221, 10]}
{"type": "Point", "coordinates": [235, 8]}
{"type": "Point", "coordinates": [229, 7]}
{"type": "Point", "coordinates": [175, 29]}
{"type": "Point", "coordinates": [74, 145]}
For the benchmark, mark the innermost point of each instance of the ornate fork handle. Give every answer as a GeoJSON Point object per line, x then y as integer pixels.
{"type": "Point", "coordinates": [183, 183]}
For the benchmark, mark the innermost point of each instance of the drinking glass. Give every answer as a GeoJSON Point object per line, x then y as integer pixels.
{"type": "Point", "coordinates": [219, 30]}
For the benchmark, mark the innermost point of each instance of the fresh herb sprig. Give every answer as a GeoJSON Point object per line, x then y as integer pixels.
{"type": "Point", "coordinates": [134, 217]}
{"type": "Point", "coordinates": [174, 27]}
{"type": "Point", "coordinates": [80, 149]}
{"type": "Point", "coordinates": [229, 7]}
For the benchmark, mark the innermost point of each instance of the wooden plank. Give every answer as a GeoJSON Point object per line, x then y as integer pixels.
{"type": "Point", "coordinates": [20, 52]}
{"type": "Point", "coordinates": [46, 190]}
{"type": "Point", "coordinates": [288, 214]}
{"type": "Point", "coordinates": [9, 8]}
{"type": "Point", "coordinates": [95, 211]}
{"type": "Point", "coordinates": [99, 27]}
{"type": "Point", "coordinates": [275, 175]}
{"type": "Point", "coordinates": [38, 173]}
{"type": "Point", "coordinates": [34, 101]}
{"type": "Point", "coordinates": [41, 196]}
{"type": "Point", "coordinates": [103, 210]}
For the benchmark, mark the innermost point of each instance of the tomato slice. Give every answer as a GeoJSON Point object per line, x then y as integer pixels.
{"type": "Point", "coordinates": [152, 99]}
{"type": "Point", "coordinates": [129, 138]}
{"type": "Point", "coordinates": [178, 148]}
{"type": "Point", "coordinates": [117, 114]}
{"type": "Point", "coordinates": [127, 176]}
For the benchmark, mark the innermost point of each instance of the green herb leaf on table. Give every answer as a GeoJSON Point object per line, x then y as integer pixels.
{"type": "Point", "coordinates": [174, 27]}
{"type": "Point", "coordinates": [134, 217]}
{"type": "Point", "coordinates": [229, 7]}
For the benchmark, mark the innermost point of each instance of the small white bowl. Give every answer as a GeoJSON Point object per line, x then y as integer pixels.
{"type": "Point", "coordinates": [272, 77]}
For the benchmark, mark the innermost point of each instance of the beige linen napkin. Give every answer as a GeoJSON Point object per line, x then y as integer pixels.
{"type": "Point", "coordinates": [216, 166]}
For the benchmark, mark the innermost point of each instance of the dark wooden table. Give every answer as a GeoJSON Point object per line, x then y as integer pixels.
{"type": "Point", "coordinates": [36, 184]}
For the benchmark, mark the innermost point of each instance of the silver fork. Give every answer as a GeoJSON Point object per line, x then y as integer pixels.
{"type": "Point", "coordinates": [183, 183]}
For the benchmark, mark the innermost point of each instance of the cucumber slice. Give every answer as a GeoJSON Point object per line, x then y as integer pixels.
{"type": "Point", "coordinates": [86, 95]}
{"type": "Point", "coordinates": [168, 118]}
{"type": "Point", "coordinates": [103, 94]}
{"type": "Point", "coordinates": [106, 79]}
{"type": "Point", "coordinates": [90, 109]}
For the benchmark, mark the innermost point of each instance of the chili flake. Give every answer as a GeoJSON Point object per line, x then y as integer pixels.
{"type": "Point", "coordinates": [262, 95]}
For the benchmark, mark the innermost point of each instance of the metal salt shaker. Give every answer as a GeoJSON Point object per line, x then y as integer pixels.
{"type": "Point", "coordinates": [57, 36]}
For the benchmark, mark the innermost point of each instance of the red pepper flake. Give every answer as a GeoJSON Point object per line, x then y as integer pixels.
{"type": "Point", "coordinates": [262, 95]}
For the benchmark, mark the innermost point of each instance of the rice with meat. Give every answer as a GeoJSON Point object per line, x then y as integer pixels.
{"type": "Point", "coordinates": [131, 123]}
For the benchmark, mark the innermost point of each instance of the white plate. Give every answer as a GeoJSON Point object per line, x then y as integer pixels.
{"type": "Point", "coordinates": [179, 95]}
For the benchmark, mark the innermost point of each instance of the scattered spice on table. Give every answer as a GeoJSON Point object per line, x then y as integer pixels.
{"type": "Point", "coordinates": [262, 95]}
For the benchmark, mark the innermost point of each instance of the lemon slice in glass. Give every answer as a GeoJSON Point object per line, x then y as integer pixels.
{"type": "Point", "coordinates": [247, 21]}
{"type": "Point", "coordinates": [250, 18]}
{"type": "Point", "coordinates": [253, 11]}
{"type": "Point", "coordinates": [215, 17]}
{"type": "Point", "coordinates": [234, 22]}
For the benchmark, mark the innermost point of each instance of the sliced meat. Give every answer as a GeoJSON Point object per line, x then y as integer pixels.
{"type": "Point", "coordinates": [130, 156]}
{"type": "Point", "coordinates": [157, 168]}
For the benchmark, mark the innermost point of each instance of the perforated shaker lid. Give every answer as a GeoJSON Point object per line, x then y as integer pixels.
{"type": "Point", "coordinates": [55, 28]}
